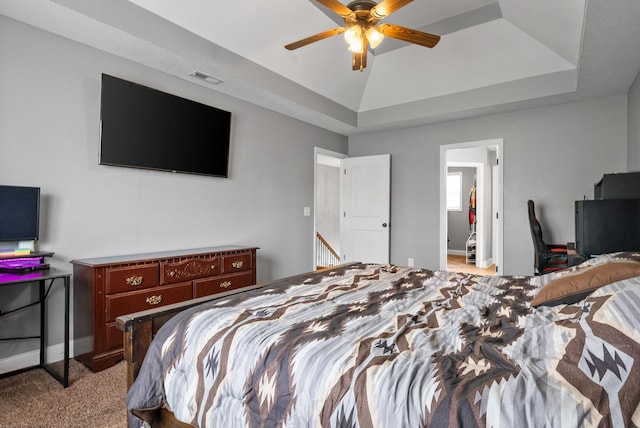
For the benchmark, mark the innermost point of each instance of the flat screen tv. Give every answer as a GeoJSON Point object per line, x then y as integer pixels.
{"type": "Point", "coordinates": [19, 213]}
{"type": "Point", "coordinates": [146, 128]}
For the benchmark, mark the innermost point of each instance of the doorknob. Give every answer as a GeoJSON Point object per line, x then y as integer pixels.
{"type": "Point", "coordinates": [384, 224]}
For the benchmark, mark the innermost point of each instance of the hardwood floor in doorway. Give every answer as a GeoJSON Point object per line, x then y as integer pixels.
{"type": "Point", "coordinates": [457, 264]}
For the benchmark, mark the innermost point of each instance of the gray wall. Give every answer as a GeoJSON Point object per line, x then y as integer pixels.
{"type": "Point", "coordinates": [553, 155]}
{"type": "Point", "coordinates": [633, 162]}
{"type": "Point", "coordinates": [49, 137]}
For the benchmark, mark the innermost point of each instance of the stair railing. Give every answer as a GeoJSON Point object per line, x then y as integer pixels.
{"type": "Point", "coordinates": [326, 255]}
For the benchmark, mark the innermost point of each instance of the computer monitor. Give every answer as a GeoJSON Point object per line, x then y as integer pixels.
{"type": "Point", "coordinates": [19, 213]}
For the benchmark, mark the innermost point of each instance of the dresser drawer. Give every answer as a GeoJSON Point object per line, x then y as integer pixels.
{"type": "Point", "coordinates": [236, 262]}
{"type": "Point", "coordinates": [131, 278]}
{"type": "Point", "coordinates": [135, 301]}
{"type": "Point", "coordinates": [188, 269]}
{"type": "Point", "coordinates": [205, 287]}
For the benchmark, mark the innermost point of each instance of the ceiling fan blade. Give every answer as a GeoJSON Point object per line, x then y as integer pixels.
{"type": "Point", "coordinates": [315, 38]}
{"type": "Point", "coordinates": [337, 7]}
{"type": "Point", "coordinates": [387, 7]}
{"type": "Point", "coordinates": [359, 61]}
{"type": "Point", "coordinates": [408, 35]}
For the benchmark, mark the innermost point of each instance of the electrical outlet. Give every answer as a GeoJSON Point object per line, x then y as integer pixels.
{"type": "Point", "coordinates": [410, 262]}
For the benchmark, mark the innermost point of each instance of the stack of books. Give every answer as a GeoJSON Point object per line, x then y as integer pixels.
{"type": "Point", "coordinates": [5, 252]}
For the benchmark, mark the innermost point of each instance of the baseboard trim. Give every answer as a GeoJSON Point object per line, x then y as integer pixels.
{"type": "Point", "coordinates": [485, 263]}
{"type": "Point", "coordinates": [457, 252]}
{"type": "Point", "coordinates": [32, 358]}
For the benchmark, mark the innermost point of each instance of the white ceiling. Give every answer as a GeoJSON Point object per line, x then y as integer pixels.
{"type": "Point", "coordinates": [493, 56]}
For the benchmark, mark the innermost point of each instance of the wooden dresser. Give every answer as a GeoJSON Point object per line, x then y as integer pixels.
{"type": "Point", "coordinates": [107, 287]}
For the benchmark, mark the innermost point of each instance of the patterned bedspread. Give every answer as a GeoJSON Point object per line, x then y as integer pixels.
{"type": "Point", "coordinates": [388, 346]}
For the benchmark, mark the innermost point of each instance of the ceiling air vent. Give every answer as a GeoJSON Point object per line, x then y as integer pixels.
{"type": "Point", "coordinates": [206, 77]}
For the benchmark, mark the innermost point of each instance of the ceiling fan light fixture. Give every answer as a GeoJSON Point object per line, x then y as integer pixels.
{"type": "Point", "coordinates": [356, 47]}
{"type": "Point", "coordinates": [374, 37]}
{"type": "Point", "coordinates": [361, 28]}
{"type": "Point", "coordinates": [353, 35]}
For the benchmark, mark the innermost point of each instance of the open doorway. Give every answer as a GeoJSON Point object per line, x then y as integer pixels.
{"type": "Point", "coordinates": [462, 218]}
{"type": "Point", "coordinates": [327, 194]}
{"type": "Point", "coordinates": [471, 236]}
{"type": "Point", "coordinates": [352, 197]}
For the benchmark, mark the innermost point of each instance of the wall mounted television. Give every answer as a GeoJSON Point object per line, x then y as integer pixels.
{"type": "Point", "coordinates": [146, 128]}
{"type": "Point", "coordinates": [19, 213]}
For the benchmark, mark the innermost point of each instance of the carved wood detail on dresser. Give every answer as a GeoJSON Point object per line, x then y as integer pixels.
{"type": "Point", "coordinates": [107, 287]}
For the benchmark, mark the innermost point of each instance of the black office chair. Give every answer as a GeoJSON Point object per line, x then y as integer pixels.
{"type": "Point", "coordinates": [547, 257]}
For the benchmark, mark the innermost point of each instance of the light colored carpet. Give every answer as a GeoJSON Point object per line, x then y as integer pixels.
{"type": "Point", "coordinates": [35, 399]}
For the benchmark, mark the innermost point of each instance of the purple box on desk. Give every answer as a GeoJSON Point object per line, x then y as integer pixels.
{"type": "Point", "coordinates": [23, 264]}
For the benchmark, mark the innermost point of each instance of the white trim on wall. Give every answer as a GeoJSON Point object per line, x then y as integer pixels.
{"type": "Point", "coordinates": [54, 354]}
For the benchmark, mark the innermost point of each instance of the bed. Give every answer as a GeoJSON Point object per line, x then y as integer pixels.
{"type": "Point", "coordinates": [369, 345]}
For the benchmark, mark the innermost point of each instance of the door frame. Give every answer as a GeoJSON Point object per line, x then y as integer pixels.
{"type": "Point", "coordinates": [498, 143]}
{"type": "Point", "coordinates": [318, 152]}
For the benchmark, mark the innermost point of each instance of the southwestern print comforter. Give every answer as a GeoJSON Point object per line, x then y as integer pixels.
{"type": "Point", "coordinates": [387, 346]}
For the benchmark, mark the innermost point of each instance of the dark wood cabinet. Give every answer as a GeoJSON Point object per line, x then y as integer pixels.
{"type": "Point", "coordinates": [107, 287]}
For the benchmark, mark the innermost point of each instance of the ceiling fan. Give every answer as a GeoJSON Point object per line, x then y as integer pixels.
{"type": "Point", "coordinates": [360, 28]}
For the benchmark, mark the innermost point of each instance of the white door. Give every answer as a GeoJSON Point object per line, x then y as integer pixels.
{"type": "Point", "coordinates": [364, 223]}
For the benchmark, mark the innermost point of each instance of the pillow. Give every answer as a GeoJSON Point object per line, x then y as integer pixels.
{"type": "Point", "coordinates": [575, 286]}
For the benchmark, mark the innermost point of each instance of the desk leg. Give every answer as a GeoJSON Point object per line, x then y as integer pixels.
{"type": "Point", "coordinates": [43, 317]}
{"type": "Point", "coordinates": [64, 378]}
{"type": "Point", "coordinates": [65, 381]}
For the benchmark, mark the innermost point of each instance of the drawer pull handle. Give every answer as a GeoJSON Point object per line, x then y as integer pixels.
{"type": "Point", "coordinates": [172, 273]}
{"type": "Point", "coordinates": [225, 284]}
{"type": "Point", "coordinates": [134, 280]}
{"type": "Point", "coordinates": [154, 300]}
{"type": "Point", "coordinates": [238, 264]}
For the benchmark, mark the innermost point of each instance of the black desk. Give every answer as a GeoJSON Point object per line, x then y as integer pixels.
{"type": "Point", "coordinates": [41, 277]}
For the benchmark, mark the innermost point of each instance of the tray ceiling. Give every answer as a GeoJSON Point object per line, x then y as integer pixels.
{"type": "Point", "coordinates": [493, 55]}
